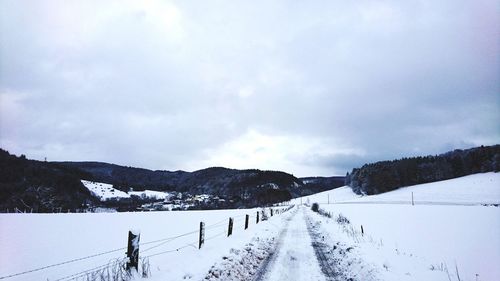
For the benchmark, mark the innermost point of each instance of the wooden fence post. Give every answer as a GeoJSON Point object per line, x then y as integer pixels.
{"type": "Point", "coordinates": [362, 231]}
{"type": "Point", "coordinates": [247, 217]}
{"type": "Point", "coordinates": [271, 212]}
{"type": "Point", "coordinates": [202, 235]}
{"type": "Point", "coordinates": [412, 203]}
{"type": "Point", "coordinates": [133, 250]}
{"type": "Point", "coordinates": [230, 227]}
{"type": "Point", "coordinates": [257, 221]}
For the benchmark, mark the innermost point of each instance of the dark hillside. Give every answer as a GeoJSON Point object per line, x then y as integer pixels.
{"type": "Point", "coordinates": [125, 177]}
{"type": "Point", "coordinates": [41, 186]}
{"type": "Point", "coordinates": [246, 187]}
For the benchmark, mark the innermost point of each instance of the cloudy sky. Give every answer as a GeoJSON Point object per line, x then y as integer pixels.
{"type": "Point", "coordinates": [308, 87]}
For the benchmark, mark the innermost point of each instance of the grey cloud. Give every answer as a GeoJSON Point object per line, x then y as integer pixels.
{"type": "Point", "coordinates": [115, 82]}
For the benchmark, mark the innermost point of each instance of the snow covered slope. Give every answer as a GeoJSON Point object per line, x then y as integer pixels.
{"type": "Point", "coordinates": [473, 189]}
{"type": "Point", "coordinates": [469, 190]}
{"type": "Point", "coordinates": [106, 191]}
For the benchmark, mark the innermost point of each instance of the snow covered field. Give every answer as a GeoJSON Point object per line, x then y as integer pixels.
{"type": "Point", "coordinates": [31, 241]}
{"type": "Point", "coordinates": [465, 235]}
{"type": "Point", "coordinates": [400, 241]}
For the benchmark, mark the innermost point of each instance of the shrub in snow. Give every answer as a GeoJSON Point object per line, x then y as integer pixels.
{"type": "Point", "coordinates": [315, 207]}
{"type": "Point", "coordinates": [342, 220]}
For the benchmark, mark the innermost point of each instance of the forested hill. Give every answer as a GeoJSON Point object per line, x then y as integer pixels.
{"type": "Point", "coordinates": [250, 186]}
{"type": "Point", "coordinates": [123, 177]}
{"type": "Point", "coordinates": [40, 186]}
{"type": "Point", "coordinates": [385, 176]}
{"type": "Point", "coordinates": [43, 186]}
{"type": "Point", "coordinates": [214, 180]}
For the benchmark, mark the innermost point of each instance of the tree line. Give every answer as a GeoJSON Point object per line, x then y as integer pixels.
{"type": "Point", "coordinates": [385, 176]}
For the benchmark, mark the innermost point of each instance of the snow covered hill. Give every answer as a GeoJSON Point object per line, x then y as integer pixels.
{"type": "Point", "coordinates": [106, 191]}
{"type": "Point", "coordinates": [477, 189]}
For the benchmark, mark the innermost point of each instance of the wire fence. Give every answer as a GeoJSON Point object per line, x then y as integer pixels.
{"type": "Point", "coordinates": [154, 244]}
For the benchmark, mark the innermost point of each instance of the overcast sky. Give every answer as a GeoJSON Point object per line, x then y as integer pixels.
{"type": "Point", "coordinates": [307, 87]}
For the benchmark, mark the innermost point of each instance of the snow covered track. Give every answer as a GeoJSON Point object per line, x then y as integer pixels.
{"type": "Point", "coordinates": [295, 258]}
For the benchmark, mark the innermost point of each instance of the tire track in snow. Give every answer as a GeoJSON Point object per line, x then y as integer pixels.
{"type": "Point", "coordinates": [321, 250]}
{"type": "Point", "coordinates": [294, 258]}
{"type": "Point", "coordinates": [265, 265]}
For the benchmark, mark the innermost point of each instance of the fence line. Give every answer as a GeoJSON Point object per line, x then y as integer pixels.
{"type": "Point", "coordinates": [161, 242]}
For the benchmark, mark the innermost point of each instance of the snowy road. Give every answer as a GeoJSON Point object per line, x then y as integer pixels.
{"type": "Point", "coordinates": [294, 258]}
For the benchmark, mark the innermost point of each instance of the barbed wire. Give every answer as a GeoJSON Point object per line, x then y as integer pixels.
{"type": "Point", "coordinates": [82, 273]}
{"type": "Point", "coordinates": [168, 239]}
{"type": "Point", "coordinates": [172, 250]}
{"type": "Point", "coordinates": [62, 263]}
{"type": "Point", "coordinates": [215, 236]}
